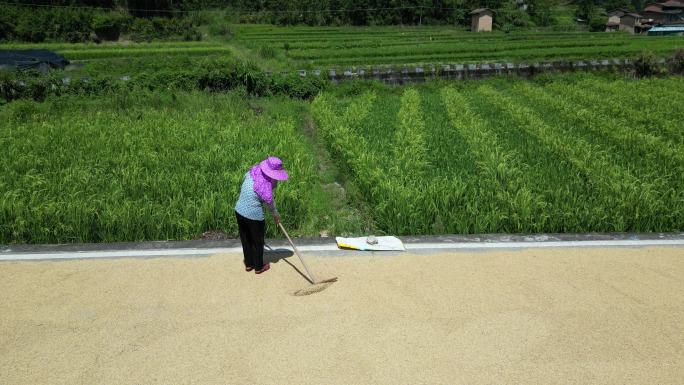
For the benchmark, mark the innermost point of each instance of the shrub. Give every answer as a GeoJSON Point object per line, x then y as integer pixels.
{"type": "Point", "coordinates": [29, 30]}
{"type": "Point", "coordinates": [72, 25]}
{"type": "Point", "coordinates": [108, 25]}
{"type": "Point", "coordinates": [8, 85]}
{"type": "Point", "coordinates": [142, 30]}
{"type": "Point", "coordinates": [298, 87]}
{"type": "Point", "coordinates": [23, 110]}
{"type": "Point", "coordinates": [6, 23]}
{"type": "Point", "coordinates": [676, 62]}
{"type": "Point", "coordinates": [192, 35]}
{"type": "Point", "coordinates": [597, 23]}
{"type": "Point", "coordinates": [646, 64]}
{"type": "Point", "coordinates": [219, 29]}
{"type": "Point", "coordinates": [38, 25]}
{"type": "Point", "coordinates": [162, 28]}
{"type": "Point", "coordinates": [213, 75]}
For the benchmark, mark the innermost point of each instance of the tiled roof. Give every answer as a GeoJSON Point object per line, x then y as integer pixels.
{"type": "Point", "coordinates": [480, 10]}
{"type": "Point", "coordinates": [673, 4]}
{"type": "Point", "coordinates": [654, 8]}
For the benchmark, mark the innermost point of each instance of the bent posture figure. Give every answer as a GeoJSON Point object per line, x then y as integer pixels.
{"type": "Point", "coordinates": [257, 190]}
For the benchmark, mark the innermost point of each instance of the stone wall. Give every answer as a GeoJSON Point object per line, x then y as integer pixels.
{"type": "Point", "coordinates": [397, 75]}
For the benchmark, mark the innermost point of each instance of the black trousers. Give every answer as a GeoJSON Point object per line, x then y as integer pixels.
{"type": "Point", "coordinates": [252, 238]}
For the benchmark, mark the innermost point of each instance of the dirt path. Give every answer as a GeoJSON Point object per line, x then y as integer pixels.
{"type": "Point", "coordinates": [608, 316]}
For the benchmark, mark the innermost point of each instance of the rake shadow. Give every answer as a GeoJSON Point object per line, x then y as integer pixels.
{"type": "Point", "coordinates": [275, 255]}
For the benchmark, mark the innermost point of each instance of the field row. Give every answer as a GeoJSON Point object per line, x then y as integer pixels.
{"type": "Point", "coordinates": [510, 157]}
{"type": "Point", "coordinates": [147, 166]}
{"type": "Point", "coordinates": [411, 45]}
{"type": "Point", "coordinates": [453, 48]}
{"type": "Point", "coordinates": [291, 48]}
{"type": "Point", "coordinates": [576, 154]}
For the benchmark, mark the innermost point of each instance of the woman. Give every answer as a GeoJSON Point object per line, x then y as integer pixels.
{"type": "Point", "coordinates": [257, 190]}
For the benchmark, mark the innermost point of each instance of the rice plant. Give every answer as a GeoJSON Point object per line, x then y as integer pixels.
{"type": "Point", "coordinates": [148, 166]}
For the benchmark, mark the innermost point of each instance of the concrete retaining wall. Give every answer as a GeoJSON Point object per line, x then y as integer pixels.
{"type": "Point", "coordinates": [416, 74]}
{"type": "Point", "coordinates": [402, 74]}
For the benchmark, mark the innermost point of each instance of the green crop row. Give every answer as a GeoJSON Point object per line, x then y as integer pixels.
{"type": "Point", "coordinates": [513, 205]}
{"type": "Point", "coordinates": [650, 108]}
{"type": "Point", "coordinates": [110, 46]}
{"type": "Point", "coordinates": [311, 47]}
{"type": "Point", "coordinates": [410, 158]}
{"type": "Point", "coordinates": [502, 56]}
{"type": "Point", "coordinates": [568, 154]}
{"type": "Point", "coordinates": [515, 158]}
{"type": "Point", "coordinates": [633, 140]}
{"type": "Point", "coordinates": [430, 48]}
{"type": "Point", "coordinates": [148, 166]}
{"type": "Point", "coordinates": [158, 53]}
{"type": "Point", "coordinates": [515, 55]}
{"type": "Point", "coordinates": [371, 41]}
{"type": "Point", "coordinates": [626, 197]}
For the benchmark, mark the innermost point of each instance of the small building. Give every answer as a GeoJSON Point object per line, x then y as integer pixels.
{"type": "Point", "coordinates": [668, 12]}
{"type": "Point", "coordinates": [629, 22]}
{"type": "Point", "coordinates": [667, 29]}
{"type": "Point", "coordinates": [613, 23]}
{"type": "Point", "coordinates": [659, 13]}
{"type": "Point", "coordinates": [482, 19]}
{"type": "Point", "coordinates": [673, 4]}
{"type": "Point", "coordinates": [612, 26]}
{"type": "Point", "coordinates": [614, 16]}
{"type": "Point", "coordinates": [654, 13]}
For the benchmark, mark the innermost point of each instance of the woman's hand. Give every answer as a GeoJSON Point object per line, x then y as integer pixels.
{"type": "Point", "coordinates": [276, 218]}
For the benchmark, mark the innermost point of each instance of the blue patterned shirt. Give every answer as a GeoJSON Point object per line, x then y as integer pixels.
{"type": "Point", "coordinates": [249, 205]}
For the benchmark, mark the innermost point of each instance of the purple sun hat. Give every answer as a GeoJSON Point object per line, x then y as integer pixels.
{"type": "Point", "coordinates": [273, 168]}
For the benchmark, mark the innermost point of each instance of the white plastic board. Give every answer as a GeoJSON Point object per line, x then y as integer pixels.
{"type": "Point", "coordinates": [385, 243]}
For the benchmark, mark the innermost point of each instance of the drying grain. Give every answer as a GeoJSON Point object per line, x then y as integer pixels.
{"type": "Point", "coordinates": [608, 316]}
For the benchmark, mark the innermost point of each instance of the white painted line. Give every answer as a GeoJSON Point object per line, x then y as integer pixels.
{"type": "Point", "coordinates": [116, 254]}
{"type": "Point", "coordinates": [552, 244]}
{"type": "Point", "coordinates": [143, 253]}
{"type": "Point", "coordinates": [333, 247]}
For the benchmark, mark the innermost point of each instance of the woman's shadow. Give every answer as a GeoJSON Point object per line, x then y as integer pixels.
{"type": "Point", "coordinates": [275, 255]}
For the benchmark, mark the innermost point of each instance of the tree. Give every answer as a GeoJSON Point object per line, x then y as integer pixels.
{"type": "Point", "coordinates": [585, 9]}
{"type": "Point", "coordinates": [541, 11]}
{"type": "Point", "coordinates": [150, 8]}
{"type": "Point", "coordinates": [510, 15]}
{"type": "Point", "coordinates": [612, 5]}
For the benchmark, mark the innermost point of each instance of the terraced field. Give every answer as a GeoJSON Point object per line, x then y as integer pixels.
{"type": "Point", "coordinates": [308, 47]}
{"type": "Point", "coordinates": [574, 154]}
{"type": "Point", "coordinates": [291, 48]}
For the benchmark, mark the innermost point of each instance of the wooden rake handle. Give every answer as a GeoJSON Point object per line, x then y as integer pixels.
{"type": "Point", "coordinates": [306, 267]}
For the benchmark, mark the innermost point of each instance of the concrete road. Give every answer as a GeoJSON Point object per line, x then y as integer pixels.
{"type": "Point", "coordinates": [531, 316]}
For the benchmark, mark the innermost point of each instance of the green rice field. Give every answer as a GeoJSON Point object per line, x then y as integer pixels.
{"type": "Point", "coordinates": [322, 47]}
{"type": "Point", "coordinates": [291, 48]}
{"type": "Point", "coordinates": [514, 156]}
{"type": "Point", "coordinates": [148, 166]}
{"type": "Point", "coordinates": [561, 154]}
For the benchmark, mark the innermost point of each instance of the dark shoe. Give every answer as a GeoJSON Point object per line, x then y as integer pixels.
{"type": "Point", "coordinates": [249, 268]}
{"type": "Point", "coordinates": [266, 267]}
